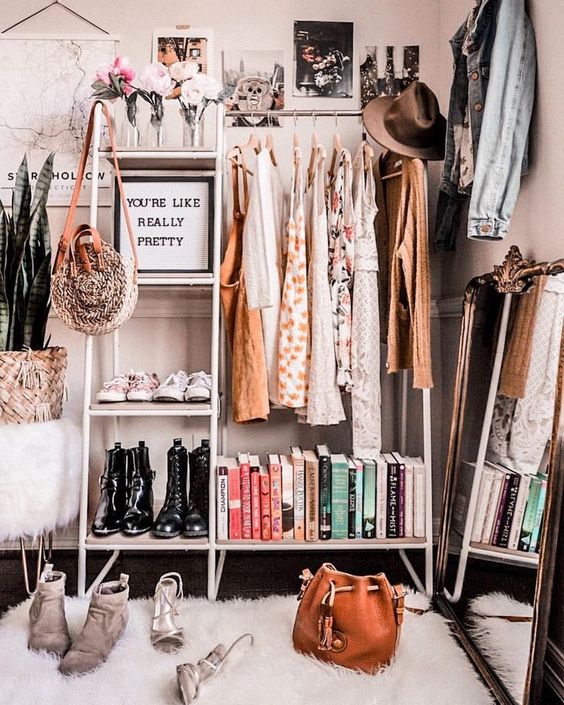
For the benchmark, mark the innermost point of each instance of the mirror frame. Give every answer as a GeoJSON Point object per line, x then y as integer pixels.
{"type": "Point", "coordinates": [514, 276]}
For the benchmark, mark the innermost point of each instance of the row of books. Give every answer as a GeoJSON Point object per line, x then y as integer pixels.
{"type": "Point", "coordinates": [509, 509]}
{"type": "Point", "coordinates": [316, 495]}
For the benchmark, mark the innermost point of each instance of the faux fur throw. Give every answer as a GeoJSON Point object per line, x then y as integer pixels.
{"type": "Point", "coordinates": [39, 477]}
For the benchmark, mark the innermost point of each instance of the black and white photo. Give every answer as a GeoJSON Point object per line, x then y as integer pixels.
{"type": "Point", "coordinates": [387, 70]}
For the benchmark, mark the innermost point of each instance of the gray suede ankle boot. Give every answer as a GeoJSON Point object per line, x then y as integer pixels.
{"type": "Point", "coordinates": [105, 623]}
{"type": "Point", "coordinates": [48, 629]}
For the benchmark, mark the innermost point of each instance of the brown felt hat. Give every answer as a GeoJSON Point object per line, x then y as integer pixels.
{"type": "Point", "coordinates": [410, 124]}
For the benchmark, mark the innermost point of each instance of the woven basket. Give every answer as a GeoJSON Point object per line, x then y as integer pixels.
{"type": "Point", "coordinates": [32, 385]}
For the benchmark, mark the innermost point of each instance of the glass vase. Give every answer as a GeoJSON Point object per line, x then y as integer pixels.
{"type": "Point", "coordinates": [192, 133]}
{"type": "Point", "coordinates": [129, 134]}
{"type": "Point", "coordinates": [155, 133]}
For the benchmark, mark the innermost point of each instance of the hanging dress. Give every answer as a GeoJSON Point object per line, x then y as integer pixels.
{"type": "Point", "coordinates": [365, 354]}
{"type": "Point", "coordinates": [249, 384]}
{"type": "Point", "coordinates": [294, 348]}
{"type": "Point", "coordinates": [341, 258]}
{"type": "Point", "coordinates": [262, 257]}
{"type": "Point", "coordinates": [324, 406]}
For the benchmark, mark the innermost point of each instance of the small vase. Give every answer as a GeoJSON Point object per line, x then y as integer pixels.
{"type": "Point", "coordinates": [193, 133]}
{"type": "Point", "coordinates": [155, 133]}
{"type": "Point", "coordinates": [129, 135]}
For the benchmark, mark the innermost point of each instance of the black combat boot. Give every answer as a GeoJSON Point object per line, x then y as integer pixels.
{"type": "Point", "coordinates": [196, 523]}
{"type": "Point", "coordinates": [172, 516]}
{"type": "Point", "coordinates": [113, 494]}
{"type": "Point", "coordinates": [139, 516]}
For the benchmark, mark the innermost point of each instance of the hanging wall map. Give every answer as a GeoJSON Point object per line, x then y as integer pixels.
{"type": "Point", "coordinates": [46, 108]}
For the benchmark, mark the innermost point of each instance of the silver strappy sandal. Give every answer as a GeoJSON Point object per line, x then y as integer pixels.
{"type": "Point", "coordinates": [166, 636]}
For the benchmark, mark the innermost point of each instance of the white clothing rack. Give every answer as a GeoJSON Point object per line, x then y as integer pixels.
{"type": "Point", "coordinates": [214, 159]}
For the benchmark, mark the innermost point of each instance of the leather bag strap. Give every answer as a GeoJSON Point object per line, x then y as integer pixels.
{"type": "Point", "coordinates": [68, 229]}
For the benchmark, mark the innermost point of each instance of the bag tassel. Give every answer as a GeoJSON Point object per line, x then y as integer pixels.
{"type": "Point", "coordinates": [32, 374]}
{"type": "Point", "coordinates": [325, 632]}
{"type": "Point", "coordinates": [43, 413]}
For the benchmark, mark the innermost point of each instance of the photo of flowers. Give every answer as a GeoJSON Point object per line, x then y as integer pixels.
{"type": "Point", "coordinates": [171, 45]}
{"type": "Point", "coordinates": [256, 78]}
{"type": "Point", "coordinates": [323, 59]}
{"type": "Point", "coordinates": [387, 70]}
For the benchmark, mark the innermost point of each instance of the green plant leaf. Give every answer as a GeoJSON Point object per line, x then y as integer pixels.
{"type": "Point", "coordinates": [4, 303]}
{"type": "Point", "coordinates": [37, 308]}
{"type": "Point", "coordinates": [43, 183]}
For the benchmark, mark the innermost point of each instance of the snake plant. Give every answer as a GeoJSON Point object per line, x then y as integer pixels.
{"type": "Point", "coordinates": [25, 262]}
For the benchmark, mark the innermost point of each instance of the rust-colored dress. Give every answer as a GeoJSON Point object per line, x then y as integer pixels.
{"type": "Point", "coordinates": [249, 382]}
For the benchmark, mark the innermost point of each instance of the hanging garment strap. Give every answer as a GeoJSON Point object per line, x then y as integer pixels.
{"type": "Point", "coordinates": [69, 232]}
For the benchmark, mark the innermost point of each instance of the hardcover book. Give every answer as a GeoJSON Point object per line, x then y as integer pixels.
{"type": "Point", "coordinates": [287, 497]}
{"type": "Point", "coordinates": [539, 513]}
{"type": "Point", "coordinates": [255, 497]}
{"type": "Point", "coordinates": [275, 471]}
{"type": "Point", "coordinates": [401, 494]}
{"type": "Point", "coordinates": [493, 503]}
{"type": "Point", "coordinates": [381, 497]}
{"type": "Point", "coordinates": [519, 513]}
{"type": "Point", "coordinates": [530, 513]}
{"type": "Point", "coordinates": [369, 503]}
{"type": "Point", "coordinates": [392, 528]}
{"type": "Point", "coordinates": [234, 489]}
{"type": "Point", "coordinates": [502, 506]}
{"type": "Point", "coordinates": [352, 499]}
{"type": "Point", "coordinates": [223, 498]}
{"type": "Point", "coordinates": [484, 492]}
{"type": "Point", "coordinates": [325, 491]}
{"type": "Point", "coordinates": [359, 496]}
{"type": "Point", "coordinates": [245, 473]}
{"type": "Point", "coordinates": [265, 520]}
{"type": "Point", "coordinates": [408, 533]}
{"type": "Point", "coordinates": [339, 496]}
{"type": "Point", "coordinates": [419, 497]}
{"type": "Point", "coordinates": [299, 492]}
{"type": "Point", "coordinates": [311, 496]}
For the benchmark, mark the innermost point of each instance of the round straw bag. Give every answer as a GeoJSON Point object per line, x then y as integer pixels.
{"type": "Point", "coordinates": [94, 287]}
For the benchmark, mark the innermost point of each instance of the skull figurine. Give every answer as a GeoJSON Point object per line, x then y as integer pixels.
{"type": "Point", "coordinates": [254, 93]}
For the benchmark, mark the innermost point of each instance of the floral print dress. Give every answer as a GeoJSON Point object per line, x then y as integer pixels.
{"type": "Point", "coordinates": [294, 344]}
{"type": "Point", "coordinates": [340, 215]}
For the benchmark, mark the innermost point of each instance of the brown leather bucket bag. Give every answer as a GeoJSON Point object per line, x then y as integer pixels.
{"type": "Point", "coordinates": [348, 620]}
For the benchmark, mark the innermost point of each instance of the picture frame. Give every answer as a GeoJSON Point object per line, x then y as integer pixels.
{"type": "Point", "coordinates": [184, 44]}
{"type": "Point", "coordinates": [172, 219]}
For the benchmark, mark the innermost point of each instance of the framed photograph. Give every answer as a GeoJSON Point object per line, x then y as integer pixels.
{"type": "Point", "coordinates": [192, 44]}
{"type": "Point", "coordinates": [387, 70]}
{"type": "Point", "coordinates": [172, 219]}
{"type": "Point", "coordinates": [257, 80]}
{"type": "Point", "coordinates": [323, 54]}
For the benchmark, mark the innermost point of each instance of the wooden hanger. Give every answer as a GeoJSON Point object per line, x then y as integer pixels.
{"type": "Point", "coordinates": [314, 150]}
{"type": "Point", "coordinates": [397, 173]}
{"type": "Point", "coordinates": [233, 154]}
{"type": "Point", "coordinates": [337, 147]}
{"type": "Point", "coordinates": [269, 143]}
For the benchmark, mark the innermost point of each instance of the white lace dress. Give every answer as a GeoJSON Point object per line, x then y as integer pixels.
{"type": "Point", "coordinates": [521, 427]}
{"type": "Point", "coordinates": [365, 334]}
{"type": "Point", "coordinates": [324, 405]}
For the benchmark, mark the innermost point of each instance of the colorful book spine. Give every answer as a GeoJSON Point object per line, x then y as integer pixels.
{"type": "Point", "coordinates": [401, 494]}
{"type": "Point", "coordinates": [234, 488]}
{"type": "Point", "coordinates": [519, 513]}
{"type": "Point", "coordinates": [508, 510]}
{"type": "Point", "coordinates": [408, 532]}
{"type": "Point", "coordinates": [325, 501]}
{"type": "Point", "coordinates": [392, 528]}
{"type": "Point", "coordinates": [299, 493]}
{"type": "Point", "coordinates": [493, 502]}
{"type": "Point", "coordinates": [246, 515]}
{"type": "Point", "coordinates": [352, 499]}
{"type": "Point", "coordinates": [359, 497]}
{"type": "Point", "coordinates": [222, 503]}
{"type": "Point", "coordinates": [255, 499]}
{"type": "Point", "coordinates": [501, 507]}
{"type": "Point", "coordinates": [530, 513]}
{"type": "Point", "coordinates": [339, 496]}
{"type": "Point", "coordinates": [535, 536]}
{"type": "Point", "coordinates": [287, 497]}
{"type": "Point", "coordinates": [381, 497]}
{"type": "Point", "coordinates": [275, 472]}
{"type": "Point", "coordinates": [265, 520]}
{"type": "Point", "coordinates": [419, 498]}
{"type": "Point", "coordinates": [312, 496]}
{"type": "Point", "coordinates": [369, 501]}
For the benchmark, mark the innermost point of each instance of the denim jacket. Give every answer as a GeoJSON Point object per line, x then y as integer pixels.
{"type": "Point", "coordinates": [494, 54]}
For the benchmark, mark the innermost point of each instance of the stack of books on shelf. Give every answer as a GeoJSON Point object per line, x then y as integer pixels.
{"type": "Point", "coordinates": [316, 495]}
{"type": "Point", "coordinates": [509, 509]}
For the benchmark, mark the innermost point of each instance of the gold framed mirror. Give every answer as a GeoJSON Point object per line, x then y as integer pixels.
{"type": "Point", "coordinates": [504, 474]}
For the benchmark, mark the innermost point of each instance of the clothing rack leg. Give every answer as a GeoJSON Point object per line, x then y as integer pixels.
{"type": "Point", "coordinates": [102, 574]}
{"type": "Point", "coordinates": [219, 571]}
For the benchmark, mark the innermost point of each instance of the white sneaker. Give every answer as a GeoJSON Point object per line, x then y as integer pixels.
{"type": "Point", "coordinates": [173, 388]}
{"type": "Point", "coordinates": [199, 387]}
{"type": "Point", "coordinates": [115, 390]}
{"type": "Point", "coordinates": [142, 386]}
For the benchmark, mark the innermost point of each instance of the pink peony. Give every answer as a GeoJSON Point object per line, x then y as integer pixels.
{"type": "Point", "coordinates": [103, 74]}
{"type": "Point", "coordinates": [156, 79]}
{"type": "Point", "coordinates": [123, 69]}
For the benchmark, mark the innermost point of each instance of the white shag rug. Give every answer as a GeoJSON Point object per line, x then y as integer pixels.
{"type": "Point", "coordinates": [505, 645]}
{"type": "Point", "coordinates": [40, 469]}
{"type": "Point", "coordinates": [430, 668]}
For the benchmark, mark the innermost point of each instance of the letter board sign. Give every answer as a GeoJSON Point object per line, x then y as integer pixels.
{"type": "Point", "coordinates": [172, 219]}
